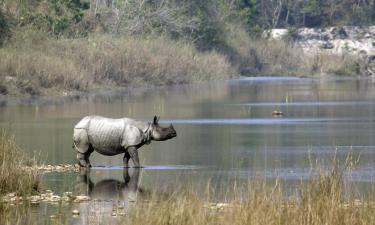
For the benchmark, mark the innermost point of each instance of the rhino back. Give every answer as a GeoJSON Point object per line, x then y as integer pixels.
{"type": "Point", "coordinates": [105, 135]}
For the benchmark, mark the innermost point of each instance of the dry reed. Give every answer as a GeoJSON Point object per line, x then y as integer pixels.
{"type": "Point", "coordinates": [319, 200]}
{"type": "Point", "coordinates": [104, 61]}
{"type": "Point", "coordinates": [13, 177]}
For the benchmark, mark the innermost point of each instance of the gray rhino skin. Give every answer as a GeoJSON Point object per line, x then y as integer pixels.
{"type": "Point", "coordinates": [115, 136]}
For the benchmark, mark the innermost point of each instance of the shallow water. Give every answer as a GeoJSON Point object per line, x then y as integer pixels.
{"type": "Point", "coordinates": [226, 130]}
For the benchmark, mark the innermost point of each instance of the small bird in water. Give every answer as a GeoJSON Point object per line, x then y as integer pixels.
{"type": "Point", "coordinates": [277, 113]}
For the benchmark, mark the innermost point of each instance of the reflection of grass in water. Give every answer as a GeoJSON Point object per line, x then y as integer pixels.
{"type": "Point", "coordinates": [323, 199]}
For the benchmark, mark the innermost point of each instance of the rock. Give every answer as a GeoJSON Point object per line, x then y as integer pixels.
{"type": "Point", "coordinates": [121, 213]}
{"type": "Point", "coordinates": [9, 79]}
{"type": "Point", "coordinates": [327, 45]}
{"type": "Point", "coordinates": [81, 198]}
{"type": "Point", "coordinates": [370, 66]}
{"type": "Point", "coordinates": [35, 199]}
{"type": "Point", "coordinates": [332, 40]}
{"type": "Point", "coordinates": [277, 113]}
{"type": "Point", "coordinates": [52, 217]}
{"type": "Point", "coordinates": [55, 198]}
{"type": "Point", "coordinates": [340, 33]}
{"type": "Point", "coordinates": [68, 194]}
{"type": "Point", "coordinates": [75, 212]}
{"type": "Point", "coordinates": [66, 199]}
{"type": "Point", "coordinates": [277, 34]}
{"type": "Point", "coordinates": [217, 206]}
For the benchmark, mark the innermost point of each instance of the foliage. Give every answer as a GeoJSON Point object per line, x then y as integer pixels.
{"type": "Point", "coordinates": [51, 16]}
{"type": "Point", "coordinates": [4, 28]}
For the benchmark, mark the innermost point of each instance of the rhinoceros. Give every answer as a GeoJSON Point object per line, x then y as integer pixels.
{"type": "Point", "coordinates": [110, 137]}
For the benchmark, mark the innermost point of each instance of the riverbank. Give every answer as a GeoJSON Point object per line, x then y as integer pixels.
{"type": "Point", "coordinates": [325, 198]}
{"type": "Point", "coordinates": [63, 48]}
{"type": "Point", "coordinates": [61, 67]}
{"type": "Point", "coordinates": [70, 66]}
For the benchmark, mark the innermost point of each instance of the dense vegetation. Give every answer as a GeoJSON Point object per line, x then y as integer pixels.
{"type": "Point", "coordinates": [198, 21]}
{"type": "Point", "coordinates": [37, 39]}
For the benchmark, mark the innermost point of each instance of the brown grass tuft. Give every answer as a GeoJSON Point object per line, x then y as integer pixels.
{"type": "Point", "coordinates": [13, 176]}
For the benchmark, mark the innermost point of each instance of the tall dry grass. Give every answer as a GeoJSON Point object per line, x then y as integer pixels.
{"type": "Point", "coordinates": [13, 175]}
{"type": "Point", "coordinates": [326, 198]}
{"type": "Point", "coordinates": [38, 67]}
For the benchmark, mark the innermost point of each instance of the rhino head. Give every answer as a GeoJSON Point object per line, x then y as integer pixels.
{"type": "Point", "coordinates": [162, 133]}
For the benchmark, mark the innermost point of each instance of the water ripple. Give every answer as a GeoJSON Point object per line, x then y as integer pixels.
{"type": "Point", "coordinates": [324, 103]}
{"type": "Point", "coordinates": [264, 121]}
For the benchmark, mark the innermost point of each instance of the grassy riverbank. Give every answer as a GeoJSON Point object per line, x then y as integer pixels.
{"type": "Point", "coordinates": [65, 47]}
{"type": "Point", "coordinates": [39, 67]}
{"type": "Point", "coordinates": [327, 197]}
{"type": "Point", "coordinates": [45, 66]}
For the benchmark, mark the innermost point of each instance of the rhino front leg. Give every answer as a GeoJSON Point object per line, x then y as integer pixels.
{"type": "Point", "coordinates": [83, 159]}
{"type": "Point", "coordinates": [133, 152]}
{"type": "Point", "coordinates": [126, 159]}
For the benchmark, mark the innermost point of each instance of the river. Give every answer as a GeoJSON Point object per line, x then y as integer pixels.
{"type": "Point", "coordinates": [226, 131]}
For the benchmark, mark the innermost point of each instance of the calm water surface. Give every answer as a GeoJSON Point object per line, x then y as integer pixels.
{"type": "Point", "coordinates": [225, 130]}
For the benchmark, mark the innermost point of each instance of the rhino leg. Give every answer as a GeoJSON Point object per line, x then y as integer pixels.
{"type": "Point", "coordinates": [126, 159]}
{"type": "Point", "coordinates": [82, 146]}
{"type": "Point", "coordinates": [133, 152]}
{"type": "Point", "coordinates": [83, 159]}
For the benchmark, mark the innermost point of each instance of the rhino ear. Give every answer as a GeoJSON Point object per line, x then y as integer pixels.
{"type": "Point", "coordinates": [156, 120]}
{"type": "Point", "coordinates": [132, 136]}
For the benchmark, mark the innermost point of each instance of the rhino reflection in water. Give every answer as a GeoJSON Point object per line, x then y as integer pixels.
{"type": "Point", "coordinates": [115, 136]}
{"type": "Point", "coordinates": [110, 189]}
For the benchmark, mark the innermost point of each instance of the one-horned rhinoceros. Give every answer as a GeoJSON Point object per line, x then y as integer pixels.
{"type": "Point", "coordinates": [115, 136]}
